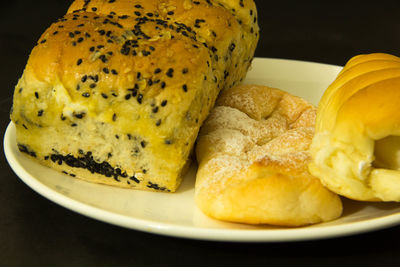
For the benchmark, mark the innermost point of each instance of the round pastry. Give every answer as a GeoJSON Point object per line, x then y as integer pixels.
{"type": "Point", "coordinates": [253, 154]}
{"type": "Point", "coordinates": [356, 145]}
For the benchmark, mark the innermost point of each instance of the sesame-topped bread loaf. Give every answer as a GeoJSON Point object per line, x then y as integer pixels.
{"type": "Point", "coordinates": [115, 91]}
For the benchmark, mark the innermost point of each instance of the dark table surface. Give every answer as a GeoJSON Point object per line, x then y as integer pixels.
{"type": "Point", "coordinates": [36, 232]}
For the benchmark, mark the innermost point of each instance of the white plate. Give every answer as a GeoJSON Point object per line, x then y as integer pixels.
{"type": "Point", "coordinates": [176, 214]}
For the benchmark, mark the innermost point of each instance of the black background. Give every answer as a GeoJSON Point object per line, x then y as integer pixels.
{"type": "Point", "coordinates": [36, 232]}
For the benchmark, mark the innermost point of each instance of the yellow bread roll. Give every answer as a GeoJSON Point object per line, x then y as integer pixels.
{"type": "Point", "coordinates": [115, 91]}
{"type": "Point", "coordinates": [356, 145]}
{"type": "Point", "coordinates": [253, 154]}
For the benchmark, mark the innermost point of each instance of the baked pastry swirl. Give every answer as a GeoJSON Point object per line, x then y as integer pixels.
{"type": "Point", "coordinates": [115, 91]}
{"type": "Point", "coordinates": [356, 145]}
{"type": "Point", "coordinates": [253, 154]}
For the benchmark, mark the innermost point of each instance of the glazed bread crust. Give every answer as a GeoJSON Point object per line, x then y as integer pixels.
{"type": "Point", "coordinates": [115, 91]}
{"type": "Point", "coordinates": [356, 144]}
{"type": "Point", "coordinates": [253, 152]}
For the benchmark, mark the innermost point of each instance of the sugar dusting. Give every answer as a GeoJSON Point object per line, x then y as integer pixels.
{"type": "Point", "coordinates": [280, 140]}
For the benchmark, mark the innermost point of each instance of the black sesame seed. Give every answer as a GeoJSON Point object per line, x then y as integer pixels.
{"type": "Point", "coordinates": [71, 34]}
{"type": "Point", "coordinates": [139, 98]}
{"type": "Point", "coordinates": [170, 72]}
{"type": "Point", "coordinates": [106, 70]}
{"type": "Point", "coordinates": [168, 142]}
{"type": "Point", "coordinates": [93, 85]}
{"type": "Point", "coordinates": [125, 50]}
{"type": "Point", "coordinates": [134, 90]}
{"type": "Point", "coordinates": [232, 47]}
{"type": "Point", "coordinates": [164, 103]}
{"type": "Point", "coordinates": [158, 122]}
{"type": "Point", "coordinates": [37, 95]}
{"type": "Point", "coordinates": [143, 144]}
{"type": "Point", "coordinates": [104, 95]}
{"type": "Point", "coordinates": [137, 13]}
{"type": "Point", "coordinates": [155, 110]}
{"type": "Point", "coordinates": [184, 87]}
{"type": "Point", "coordinates": [103, 58]}
{"type": "Point", "coordinates": [136, 180]}
{"type": "Point", "coordinates": [128, 96]}
{"type": "Point", "coordinates": [94, 9]}
{"type": "Point", "coordinates": [114, 117]}
{"type": "Point", "coordinates": [170, 13]}
{"type": "Point", "coordinates": [158, 70]}
{"type": "Point", "coordinates": [79, 62]}
{"type": "Point", "coordinates": [185, 70]}
{"type": "Point", "coordinates": [79, 115]}
{"type": "Point", "coordinates": [92, 49]}
{"type": "Point", "coordinates": [86, 95]}
{"type": "Point", "coordinates": [40, 113]}
{"type": "Point", "coordinates": [113, 71]}
{"type": "Point", "coordinates": [163, 84]}
{"type": "Point", "coordinates": [80, 39]}
{"type": "Point", "coordinates": [84, 78]}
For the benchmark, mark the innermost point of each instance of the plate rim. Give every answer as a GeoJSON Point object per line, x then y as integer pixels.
{"type": "Point", "coordinates": [192, 232]}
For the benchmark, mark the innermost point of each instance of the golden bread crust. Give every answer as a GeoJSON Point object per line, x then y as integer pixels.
{"type": "Point", "coordinates": [253, 154]}
{"type": "Point", "coordinates": [355, 146]}
{"type": "Point", "coordinates": [117, 90]}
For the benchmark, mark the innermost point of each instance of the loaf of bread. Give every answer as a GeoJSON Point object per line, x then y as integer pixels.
{"type": "Point", "coordinates": [115, 91]}
{"type": "Point", "coordinates": [357, 144]}
{"type": "Point", "coordinates": [253, 152]}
